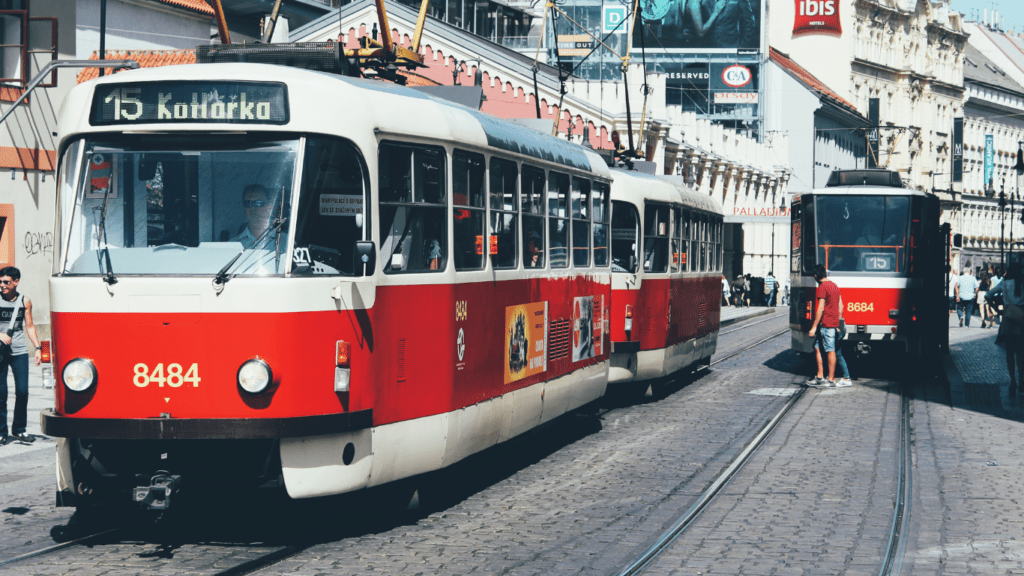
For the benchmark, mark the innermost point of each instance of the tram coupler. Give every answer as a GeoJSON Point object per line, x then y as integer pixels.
{"type": "Point", "coordinates": [863, 349]}
{"type": "Point", "coordinates": [157, 496]}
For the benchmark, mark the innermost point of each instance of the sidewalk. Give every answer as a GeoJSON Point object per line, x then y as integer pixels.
{"type": "Point", "coordinates": [977, 374]}
{"type": "Point", "coordinates": [734, 314]}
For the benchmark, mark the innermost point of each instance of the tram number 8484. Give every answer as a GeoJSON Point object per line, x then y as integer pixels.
{"type": "Point", "coordinates": [174, 377]}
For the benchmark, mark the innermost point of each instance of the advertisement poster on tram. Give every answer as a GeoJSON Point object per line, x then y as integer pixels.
{"type": "Point", "coordinates": [587, 327]}
{"type": "Point", "coordinates": [525, 340]}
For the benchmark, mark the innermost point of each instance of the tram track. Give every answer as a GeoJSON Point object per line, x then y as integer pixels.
{"type": "Point", "coordinates": [892, 562]}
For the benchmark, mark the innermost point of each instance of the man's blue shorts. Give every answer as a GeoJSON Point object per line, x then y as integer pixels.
{"type": "Point", "coordinates": [826, 339]}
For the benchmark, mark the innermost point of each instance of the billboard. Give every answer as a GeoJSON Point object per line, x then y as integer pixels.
{"type": "Point", "coordinates": [525, 341]}
{"type": "Point", "coordinates": [700, 25]}
{"type": "Point", "coordinates": [817, 17]}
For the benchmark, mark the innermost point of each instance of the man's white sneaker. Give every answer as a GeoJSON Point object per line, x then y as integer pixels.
{"type": "Point", "coordinates": [843, 383]}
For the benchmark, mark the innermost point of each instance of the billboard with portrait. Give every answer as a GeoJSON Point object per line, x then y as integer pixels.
{"type": "Point", "coordinates": [700, 25]}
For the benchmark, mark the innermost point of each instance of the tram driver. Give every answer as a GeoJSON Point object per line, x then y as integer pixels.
{"type": "Point", "coordinates": [258, 206]}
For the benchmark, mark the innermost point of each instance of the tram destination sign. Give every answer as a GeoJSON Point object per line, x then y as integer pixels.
{"type": "Point", "coordinates": [181, 102]}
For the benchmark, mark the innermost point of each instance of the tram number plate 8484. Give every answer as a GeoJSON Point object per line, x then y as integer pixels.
{"type": "Point", "coordinates": [174, 376]}
{"type": "Point", "coordinates": [860, 306]}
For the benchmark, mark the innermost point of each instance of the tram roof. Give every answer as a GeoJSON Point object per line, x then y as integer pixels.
{"type": "Point", "coordinates": [318, 100]}
{"type": "Point", "coordinates": [660, 189]}
{"type": "Point", "coordinates": [862, 191]}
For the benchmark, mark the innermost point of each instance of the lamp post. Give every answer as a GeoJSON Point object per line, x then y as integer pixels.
{"type": "Point", "coordinates": [771, 267]}
{"type": "Point", "coordinates": [990, 193]}
{"type": "Point", "coordinates": [1019, 169]}
{"type": "Point", "coordinates": [1002, 224]}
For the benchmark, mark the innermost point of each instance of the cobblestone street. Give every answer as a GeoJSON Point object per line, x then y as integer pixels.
{"type": "Point", "coordinates": [587, 494]}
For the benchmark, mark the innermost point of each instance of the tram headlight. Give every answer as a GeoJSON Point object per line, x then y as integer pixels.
{"type": "Point", "coordinates": [79, 375]}
{"type": "Point", "coordinates": [254, 376]}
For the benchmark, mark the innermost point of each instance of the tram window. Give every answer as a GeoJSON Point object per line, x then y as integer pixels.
{"type": "Point", "coordinates": [332, 214]}
{"type": "Point", "coordinates": [703, 243]}
{"type": "Point", "coordinates": [504, 182]}
{"type": "Point", "coordinates": [684, 240]}
{"type": "Point", "coordinates": [600, 213]}
{"type": "Point", "coordinates": [677, 225]}
{"type": "Point", "coordinates": [558, 222]}
{"type": "Point", "coordinates": [533, 217]}
{"type": "Point", "coordinates": [468, 211]}
{"type": "Point", "coordinates": [863, 233]}
{"type": "Point", "coordinates": [581, 222]}
{"type": "Point", "coordinates": [656, 233]}
{"type": "Point", "coordinates": [625, 237]}
{"type": "Point", "coordinates": [181, 205]}
{"type": "Point", "coordinates": [795, 222]}
{"type": "Point", "coordinates": [810, 251]}
{"type": "Point", "coordinates": [413, 231]}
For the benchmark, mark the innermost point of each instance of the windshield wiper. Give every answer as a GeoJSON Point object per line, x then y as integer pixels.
{"type": "Point", "coordinates": [108, 277]}
{"type": "Point", "coordinates": [222, 277]}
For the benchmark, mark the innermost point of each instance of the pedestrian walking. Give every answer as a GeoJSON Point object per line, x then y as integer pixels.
{"type": "Point", "coordinates": [769, 288]}
{"type": "Point", "coordinates": [966, 286]}
{"type": "Point", "coordinates": [15, 323]}
{"type": "Point", "coordinates": [785, 298]}
{"type": "Point", "coordinates": [1011, 330]}
{"type": "Point", "coordinates": [996, 304]}
{"type": "Point", "coordinates": [825, 329]}
{"type": "Point", "coordinates": [737, 291]}
{"type": "Point", "coordinates": [747, 296]}
{"type": "Point", "coordinates": [953, 279]}
{"type": "Point", "coordinates": [726, 290]}
{"type": "Point", "coordinates": [984, 284]}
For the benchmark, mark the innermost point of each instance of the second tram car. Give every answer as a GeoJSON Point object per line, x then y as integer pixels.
{"type": "Point", "coordinates": [666, 277]}
{"type": "Point", "coordinates": [882, 244]}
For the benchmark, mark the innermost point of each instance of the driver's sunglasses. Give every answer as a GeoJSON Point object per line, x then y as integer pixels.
{"type": "Point", "coordinates": [6, 282]}
{"type": "Point", "coordinates": [255, 203]}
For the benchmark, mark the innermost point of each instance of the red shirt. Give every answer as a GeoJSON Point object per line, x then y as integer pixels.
{"type": "Point", "coordinates": [828, 291]}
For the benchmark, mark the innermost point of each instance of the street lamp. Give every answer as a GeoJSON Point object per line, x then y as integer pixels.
{"type": "Point", "coordinates": [1002, 224]}
{"type": "Point", "coordinates": [1019, 168]}
{"type": "Point", "coordinates": [771, 267]}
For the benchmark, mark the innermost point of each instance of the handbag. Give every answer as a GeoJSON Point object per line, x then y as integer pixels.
{"type": "Point", "coordinates": [1013, 312]}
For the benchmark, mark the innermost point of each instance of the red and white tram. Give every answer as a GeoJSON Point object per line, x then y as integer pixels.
{"type": "Point", "coordinates": [322, 282]}
{"type": "Point", "coordinates": [883, 246]}
{"type": "Point", "coordinates": [666, 277]}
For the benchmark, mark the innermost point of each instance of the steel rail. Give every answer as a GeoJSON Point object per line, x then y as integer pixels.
{"type": "Point", "coordinates": [669, 536]}
{"type": "Point", "coordinates": [742, 350]}
{"type": "Point", "coordinates": [747, 324]}
{"type": "Point", "coordinates": [56, 547]}
{"type": "Point", "coordinates": [897, 547]}
{"type": "Point", "coordinates": [262, 562]}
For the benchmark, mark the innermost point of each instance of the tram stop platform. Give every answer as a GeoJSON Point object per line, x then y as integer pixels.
{"type": "Point", "coordinates": [734, 314]}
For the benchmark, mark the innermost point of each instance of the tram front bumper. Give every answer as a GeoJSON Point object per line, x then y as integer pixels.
{"type": "Point", "coordinates": [202, 428]}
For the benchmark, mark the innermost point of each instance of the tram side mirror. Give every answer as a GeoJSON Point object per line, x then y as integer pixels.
{"type": "Point", "coordinates": [958, 240]}
{"type": "Point", "coordinates": [147, 170]}
{"type": "Point", "coordinates": [364, 255]}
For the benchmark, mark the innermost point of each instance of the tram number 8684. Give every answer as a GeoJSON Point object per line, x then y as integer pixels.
{"type": "Point", "coordinates": [174, 377]}
{"type": "Point", "coordinates": [860, 306]}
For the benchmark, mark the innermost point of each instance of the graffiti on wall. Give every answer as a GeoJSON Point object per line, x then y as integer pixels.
{"type": "Point", "coordinates": [37, 243]}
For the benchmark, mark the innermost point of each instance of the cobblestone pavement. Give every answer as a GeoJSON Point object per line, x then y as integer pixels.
{"type": "Point", "coordinates": [969, 466]}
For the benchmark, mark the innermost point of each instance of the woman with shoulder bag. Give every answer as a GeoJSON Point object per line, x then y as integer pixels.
{"type": "Point", "coordinates": [984, 285]}
{"type": "Point", "coordinates": [1011, 331]}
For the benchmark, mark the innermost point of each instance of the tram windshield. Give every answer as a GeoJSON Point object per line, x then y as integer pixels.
{"type": "Point", "coordinates": [863, 233]}
{"type": "Point", "coordinates": [187, 205]}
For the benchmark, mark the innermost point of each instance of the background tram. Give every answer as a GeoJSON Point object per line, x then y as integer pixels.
{"type": "Point", "coordinates": [666, 277]}
{"type": "Point", "coordinates": [883, 246]}
{"type": "Point", "coordinates": [258, 286]}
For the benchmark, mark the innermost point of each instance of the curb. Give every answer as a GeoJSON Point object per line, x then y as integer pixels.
{"type": "Point", "coordinates": [731, 321]}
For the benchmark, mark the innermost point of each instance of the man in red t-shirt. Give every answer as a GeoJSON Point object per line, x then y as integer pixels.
{"type": "Point", "coordinates": [827, 315]}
